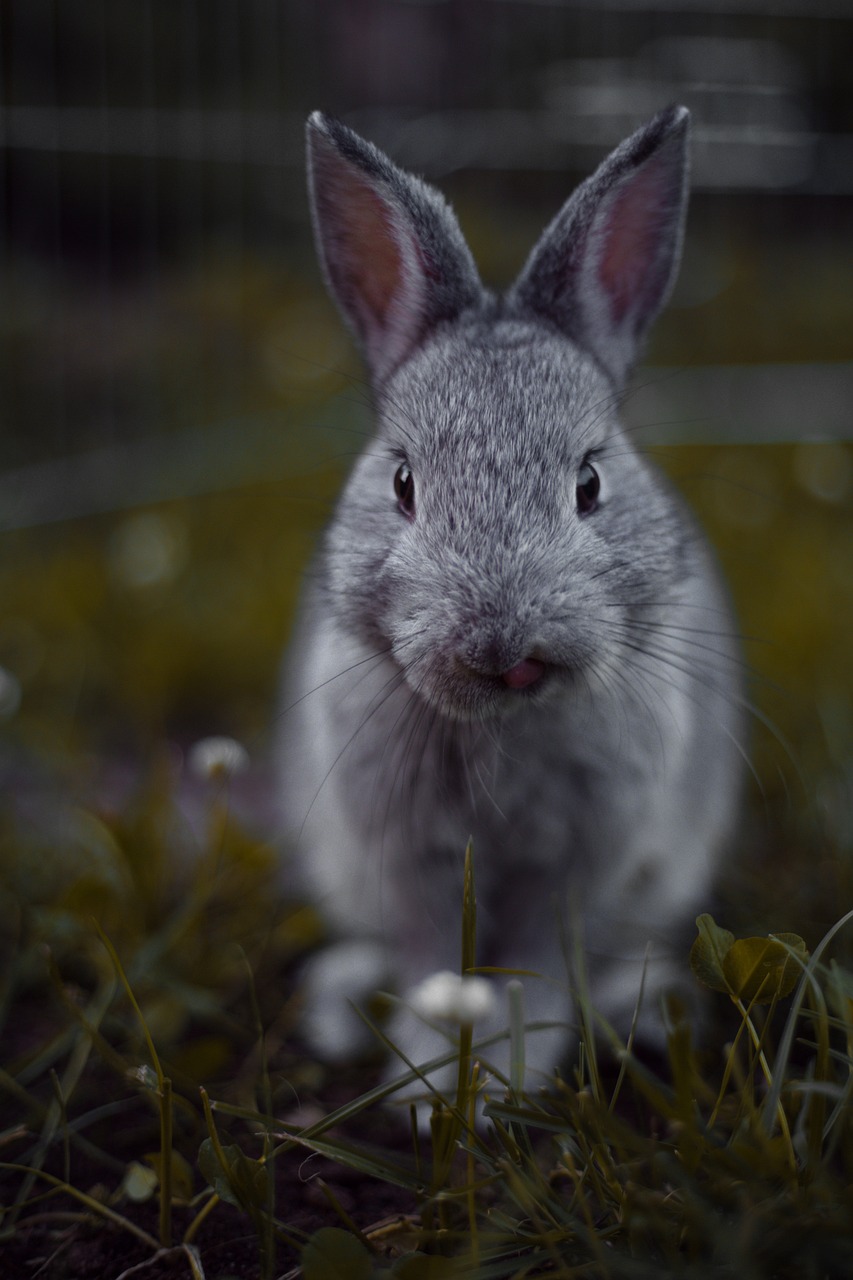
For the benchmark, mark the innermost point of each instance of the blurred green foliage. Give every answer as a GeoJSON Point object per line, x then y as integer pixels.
{"type": "Point", "coordinates": [172, 620]}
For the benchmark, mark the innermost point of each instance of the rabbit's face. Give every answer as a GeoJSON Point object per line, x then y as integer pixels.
{"type": "Point", "coordinates": [498, 532]}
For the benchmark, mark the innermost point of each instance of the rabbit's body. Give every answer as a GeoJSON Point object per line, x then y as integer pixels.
{"type": "Point", "coordinates": [515, 633]}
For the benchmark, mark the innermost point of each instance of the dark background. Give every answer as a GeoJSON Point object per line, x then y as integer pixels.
{"type": "Point", "coordinates": [176, 391]}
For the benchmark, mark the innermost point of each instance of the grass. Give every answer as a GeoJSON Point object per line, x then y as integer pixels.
{"type": "Point", "coordinates": [734, 1162]}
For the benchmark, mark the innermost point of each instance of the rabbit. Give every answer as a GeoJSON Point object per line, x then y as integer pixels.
{"type": "Point", "coordinates": [514, 631]}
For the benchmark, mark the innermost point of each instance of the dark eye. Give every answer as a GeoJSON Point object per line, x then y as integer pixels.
{"type": "Point", "coordinates": [404, 488]}
{"type": "Point", "coordinates": [588, 488]}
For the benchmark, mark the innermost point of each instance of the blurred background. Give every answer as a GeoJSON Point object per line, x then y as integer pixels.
{"type": "Point", "coordinates": [179, 400]}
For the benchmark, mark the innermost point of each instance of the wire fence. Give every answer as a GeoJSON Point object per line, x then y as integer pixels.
{"type": "Point", "coordinates": [151, 189]}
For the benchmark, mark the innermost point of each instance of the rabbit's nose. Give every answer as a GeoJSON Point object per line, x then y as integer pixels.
{"type": "Point", "coordinates": [524, 673]}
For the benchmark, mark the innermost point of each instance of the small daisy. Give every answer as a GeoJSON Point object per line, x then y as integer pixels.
{"type": "Point", "coordinates": [217, 757]}
{"type": "Point", "coordinates": [451, 996]}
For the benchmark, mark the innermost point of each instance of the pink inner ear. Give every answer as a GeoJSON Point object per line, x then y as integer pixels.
{"type": "Point", "coordinates": [373, 259]}
{"type": "Point", "coordinates": [628, 268]}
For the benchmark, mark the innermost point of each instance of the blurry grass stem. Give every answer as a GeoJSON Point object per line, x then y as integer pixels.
{"type": "Point", "coordinates": [164, 1094]}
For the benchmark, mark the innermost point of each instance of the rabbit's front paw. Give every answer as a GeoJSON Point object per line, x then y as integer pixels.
{"type": "Point", "coordinates": [337, 982]}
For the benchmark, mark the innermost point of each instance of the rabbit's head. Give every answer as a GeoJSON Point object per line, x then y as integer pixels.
{"type": "Point", "coordinates": [500, 536]}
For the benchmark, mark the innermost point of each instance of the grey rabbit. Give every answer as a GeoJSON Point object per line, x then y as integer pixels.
{"type": "Point", "coordinates": [514, 631]}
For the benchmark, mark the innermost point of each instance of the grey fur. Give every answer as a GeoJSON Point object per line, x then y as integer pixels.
{"type": "Point", "coordinates": [602, 794]}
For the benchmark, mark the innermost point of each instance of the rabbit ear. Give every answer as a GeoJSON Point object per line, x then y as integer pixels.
{"type": "Point", "coordinates": [605, 266]}
{"type": "Point", "coordinates": [391, 250]}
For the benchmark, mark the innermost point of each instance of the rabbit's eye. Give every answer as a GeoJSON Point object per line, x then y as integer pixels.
{"type": "Point", "coordinates": [588, 489]}
{"type": "Point", "coordinates": [404, 488]}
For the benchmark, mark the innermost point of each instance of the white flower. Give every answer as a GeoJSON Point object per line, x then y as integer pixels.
{"type": "Point", "coordinates": [217, 757]}
{"type": "Point", "coordinates": [449, 995]}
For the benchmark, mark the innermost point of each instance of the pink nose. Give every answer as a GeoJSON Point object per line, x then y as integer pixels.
{"type": "Point", "coordinates": [524, 673]}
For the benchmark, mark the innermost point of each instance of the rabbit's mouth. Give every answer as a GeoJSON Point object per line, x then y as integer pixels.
{"type": "Point", "coordinates": [464, 692]}
{"type": "Point", "coordinates": [524, 674]}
